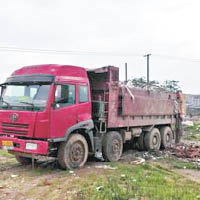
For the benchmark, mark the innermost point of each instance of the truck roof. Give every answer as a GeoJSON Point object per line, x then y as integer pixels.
{"type": "Point", "coordinates": [52, 69]}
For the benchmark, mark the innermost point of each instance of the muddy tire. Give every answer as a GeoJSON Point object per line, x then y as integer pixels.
{"type": "Point", "coordinates": [23, 160]}
{"type": "Point", "coordinates": [112, 146]}
{"type": "Point", "coordinates": [152, 139]}
{"type": "Point", "coordinates": [140, 142]}
{"type": "Point", "coordinates": [166, 136]}
{"type": "Point", "coordinates": [73, 153]}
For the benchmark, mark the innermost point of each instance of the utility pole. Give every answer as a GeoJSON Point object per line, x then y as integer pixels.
{"type": "Point", "coordinates": [147, 55]}
{"type": "Point", "coordinates": [126, 79]}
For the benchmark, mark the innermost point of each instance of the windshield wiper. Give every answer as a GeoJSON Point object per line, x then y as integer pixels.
{"type": "Point", "coordinates": [33, 106]}
{"type": "Point", "coordinates": [5, 102]}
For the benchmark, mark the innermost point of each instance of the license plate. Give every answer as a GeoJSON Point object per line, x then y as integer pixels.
{"type": "Point", "coordinates": [6, 144]}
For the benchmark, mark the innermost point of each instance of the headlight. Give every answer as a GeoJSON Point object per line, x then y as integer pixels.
{"type": "Point", "coordinates": [31, 146]}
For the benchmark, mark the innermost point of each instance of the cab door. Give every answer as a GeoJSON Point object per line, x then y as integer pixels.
{"type": "Point", "coordinates": [84, 102]}
{"type": "Point", "coordinates": [64, 110]}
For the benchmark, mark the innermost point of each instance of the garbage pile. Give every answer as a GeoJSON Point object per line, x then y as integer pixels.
{"type": "Point", "coordinates": [139, 156]}
{"type": "Point", "coordinates": [187, 151]}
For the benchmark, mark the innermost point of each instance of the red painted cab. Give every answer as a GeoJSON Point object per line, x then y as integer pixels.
{"type": "Point", "coordinates": [41, 105]}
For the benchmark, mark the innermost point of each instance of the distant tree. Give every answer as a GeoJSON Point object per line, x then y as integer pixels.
{"type": "Point", "coordinates": [171, 85]}
{"type": "Point", "coordinates": [141, 82]}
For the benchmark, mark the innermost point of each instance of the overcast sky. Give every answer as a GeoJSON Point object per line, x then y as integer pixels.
{"type": "Point", "coordinates": [111, 31]}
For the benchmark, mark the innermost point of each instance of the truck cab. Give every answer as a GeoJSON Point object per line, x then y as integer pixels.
{"type": "Point", "coordinates": [41, 106]}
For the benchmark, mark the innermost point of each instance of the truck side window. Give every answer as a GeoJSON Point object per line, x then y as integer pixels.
{"type": "Point", "coordinates": [83, 93]}
{"type": "Point", "coordinates": [65, 95]}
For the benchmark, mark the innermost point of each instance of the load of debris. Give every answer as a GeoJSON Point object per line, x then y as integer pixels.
{"type": "Point", "coordinates": [189, 151]}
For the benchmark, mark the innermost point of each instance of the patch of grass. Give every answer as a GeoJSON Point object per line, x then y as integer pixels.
{"type": "Point", "coordinates": [192, 132]}
{"type": "Point", "coordinates": [139, 182]}
{"type": "Point", "coordinates": [4, 153]}
{"type": "Point", "coordinates": [39, 171]}
{"type": "Point", "coordinates": [186, 165]}
{"type": "Point", "coordinates": [179, 164]}
{"type": "Point", "coordinates": [6, 159]}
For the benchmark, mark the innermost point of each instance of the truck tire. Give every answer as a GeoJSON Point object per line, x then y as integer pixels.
{"type": "Point", "coordinates": [23, 160]}
{"type": "Point", "coordinates": [140, 142]}
{"type": "Point", "coordinates": [152, 139]}
{"type": "Point", "coordinates": [112, 146]}
{"type": "Point", "coordinates": [73, 153]}
{"type": "Point", "coordinates": [166, 136]}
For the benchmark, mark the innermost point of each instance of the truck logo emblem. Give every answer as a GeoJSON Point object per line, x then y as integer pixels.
{"type": "Point", "coordinates": [14, 117]}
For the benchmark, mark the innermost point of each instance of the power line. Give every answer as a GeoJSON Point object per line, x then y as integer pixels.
{"type": "Point", "coordinates": [177, 58]}
{"type": "Point", "coordinates": [71, 52]}
{"type": "Point", "coordinates": [91, 53]}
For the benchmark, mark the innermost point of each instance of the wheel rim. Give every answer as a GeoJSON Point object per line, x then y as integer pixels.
{"type": "Point", "coordinates": [77, 152]}
{"type": "Point", "coordinates": [116, 147]}
{"type": "Point", "coordinates": [155, 140]}
{"type": "Point", "coordinates": [168, 138]}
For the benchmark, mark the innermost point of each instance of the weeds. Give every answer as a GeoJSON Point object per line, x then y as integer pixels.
{"type": "Point", "coordinates": [180, 164]}
{"type": "Point", "coordinates": [4, 153]}
{"type": "Point", "coordinates": [192, 132]}
{"type": "Point", "coordinates": [144, 182]}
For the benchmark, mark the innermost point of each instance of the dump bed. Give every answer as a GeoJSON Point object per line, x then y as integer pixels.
{"type": "Point", "coordinates": [122, 105]}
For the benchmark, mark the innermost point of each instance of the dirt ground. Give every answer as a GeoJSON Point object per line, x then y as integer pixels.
{"type": "Point", "coordinates": [18, 182]}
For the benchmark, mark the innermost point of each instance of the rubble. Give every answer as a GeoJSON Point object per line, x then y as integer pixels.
{"type": "Point", "coordinates": [190, 151]}
{"type": "Point", "coordinates": [188, 123]}
{"type": "Point", "coordinates": [105, 167]}
{"type": "Point", "coordinates": [13, 175]}
{"type": "Point", "coordinates": [139, 157]}
{"type": "Point", "coordinates": [123, 175]}
{"type": "Point", "coordinates": [46, 182]}
{"type": "Point", "coordinates": [138, 161]}
{"type": "Point", "coordinates": [99, 188]}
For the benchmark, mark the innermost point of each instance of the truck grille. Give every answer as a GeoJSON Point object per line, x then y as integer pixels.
{"type": "Point", "coordinates": [14, 128]}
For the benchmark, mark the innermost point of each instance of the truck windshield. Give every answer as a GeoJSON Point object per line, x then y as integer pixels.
{"type": "Point", "coordinates": [25, 97]}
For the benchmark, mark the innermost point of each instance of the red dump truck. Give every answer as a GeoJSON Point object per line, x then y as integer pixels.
{"type": "Point", "coordinates": [69, 113]}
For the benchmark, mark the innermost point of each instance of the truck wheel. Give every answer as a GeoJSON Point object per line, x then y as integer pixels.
{"type": "Point", "coordinates": [152, 139]}
{"type": "Point", "coordinates": [112, 146]}
{"type": "Point", "coordinates": [140, 142]}
{"type": "Point", "coordinates": [23, 160]}
{"type": "Point", "coordinates": [73, 153]}
{"type": "Point", "coordinates": [166, 136]}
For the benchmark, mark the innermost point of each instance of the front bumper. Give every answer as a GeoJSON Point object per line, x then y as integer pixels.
{"type": "Point", "coordinates": [19, 145]}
